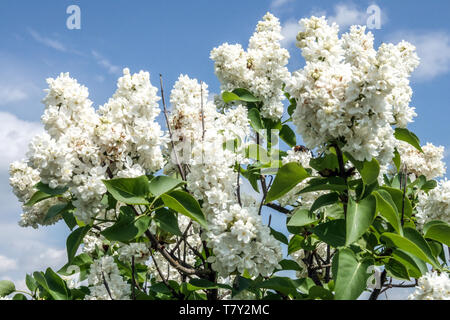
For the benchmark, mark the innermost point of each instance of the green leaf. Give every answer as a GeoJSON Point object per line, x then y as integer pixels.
{"type": "Point", "coordinates": [325, 200]}
{"type": "Point", "coordinates": [429, 185]}
{"type": "Point", "coordinates": [321, 293]}
{"type": "Point", "coordinates": [129, 190]}
{"type": "Point", "coordinates": [46, 189]}
{"type": "Point", "coordinates": [199, 284]}
{"type": "Point", "coordinates": [397, 197]}
{"type": "Point", "coordinates": [295, 243]}
{"type": "Point", "coordinates": [331, 232]}
{"type": "Point", "coordinates": [56, 286]}
{"type": "Point", "coordinates": [168, 221]}
{"type": "Point", "coordinates": [6, 288]}
{"type": "Point", "coordinates": [327, 162]}
{"type": "Point", "coordinates": [290, 265]}
{"type": "Point", "coordinates": [288, 177]}
{"type": "Point", "coordinates": [229, 96]}
{"type": "Point", "coordinates": [412, 243]}
{"type": "Point", "coordinates": [397, 160]}
{"type": "Point", "coordinates": [416, 267]}
{"type": "Point", "coordinates": [255, 119]}
{"type": "Point", "coordinates": [279, 236]}
{"type": "Point", "coordinates": [397, 270]}
{"type": "Point", "coordinates": [162, 184]}
{"type": "Point", "coordinates": [352, 275]}
{"type": "Point", "coordinates": [74, 240]}
{"type": "Point", "coordinates": [439, 231]}
{"type": "Point", "coordinates": [332, 183]}
{"type": "Point", "coordinates": [55, 210]}
{"type": "Point", "coordinates": [369, 170]}
{"type": "Point", "coordinates": [30, 282]}
{"type": "Point", "coordinates": [19, 296]}
{"type": "Point", "coordinates": [288, 135]}
{"type": "Point", "coordinates": [69, 218]}
{"type": "Point", "coordinates": [284, 285]}
{"type": "Point", "coordinates": [302, 217]}
{"type": "Point", "coordinates": [128, 226]}
{"type": "Point", "coordinates": [292, 107]}
{"type": "Point", "coordinates": [388, 210]}
{"type": "Point", "coordinates": [239, 94]}
{"type": "Point", "coordinates": [83, 261]}
{"type": "Point", "coordinates": [252, 174]}
{"type": "Point", "coordinates": [38, 196]}
{"type": "Point", "coordinates": [360, 216]}
{"type": "Point", "coordinates": [185, 204]}
{"type": "Point", "coordinates": [404, 134]}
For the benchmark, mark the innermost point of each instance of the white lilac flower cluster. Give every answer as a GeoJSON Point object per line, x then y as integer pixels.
{"type": "Point", "coordinates": [261, 69]}
{"type": "Point", "coordinates": [105, 281]}
{"type": "Point", "coordinates": [432, 286]}
{"type": "Point", "coordinates": [292, 198]}
{"type": "Point", "coordinates": [236, 234]}
{"type": "Point", "coordinates": [81, 147]}
{"type": "Point", "coordinates": [23, 178]}
{"type": "Point", "coordinates": [429, 163]}
{"type": "Point", "coordinates": [434, 205]}
{"type": "Point", "coordinates": [349, 91]}
{"type": "Point", "coordinates": [140, 251]}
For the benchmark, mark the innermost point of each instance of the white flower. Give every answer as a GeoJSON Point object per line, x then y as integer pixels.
{"type": "Point", "coordinates": [105, 281]}
{"type": "Point", "coordinates": [261, 69]}
{"type": "Point", "coordinates": [429, 163]}
{"type": "Point", "coordinates": [82, 147]}
{"type": "Point", "coordinates": [434, 205]}
{"type": "Point", "coordinates": [22, 179]}
{"type": "Point", "coordinates": [432, 286]}
{"type": "Point", "coordinates": [349, 92]}
{"type": "Point", "coordinates": [139, 251]}
{"type": "Point", "coordinates": [236, 234]}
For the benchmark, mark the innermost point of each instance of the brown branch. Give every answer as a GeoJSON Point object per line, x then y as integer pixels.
{"type": "Point", "coordinates": [165, 280]}
{"type": "Point", "coordinates": [180, 167]}
{"type": "Point", "coordinates": [278, 208]}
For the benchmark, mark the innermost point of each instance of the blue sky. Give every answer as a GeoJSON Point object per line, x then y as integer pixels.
{"type": "Point", "coordinates": [172, 37]}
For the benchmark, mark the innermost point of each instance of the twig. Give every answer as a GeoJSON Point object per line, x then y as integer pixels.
{"type": "Point", "coordinates": [183, 237]}
{"type": "Point", "coordinates": [238, 191]}
{"type": "Point", "coordinates": [164, 279]}
{"type": "Point", "coordinates": [328, 268]}
{"type": "Point", "coordinates": [173, 261]}
{"type": "Point", "coordinates": [180, 167]}
{"type": "Point", "coordinates": [106, 286]}
{"type": "Point", "coordinates": [405, 182]}
{"type": "Point", "coordinates": [278, 208]}
{"type": "Point", "coordinates": [133, 293]}
{"type": "Point", "coordinates": [203, 114]}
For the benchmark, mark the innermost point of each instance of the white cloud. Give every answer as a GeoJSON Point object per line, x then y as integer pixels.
{"type": "Point", "coordinates": [9, 94]}
{"type": "Point", "coordinates": [279, 3]}
{"type": "Point", "coordinates": [346, 15]}
{"type": "Point", "coordinates": [289, 31]}
{"type": "Point", "coordinates": [15, 134]}
{"type": "Point", "coordinates": [7, 264]}
{"type": "Point", "coordinates": [433, 48]}
{"type": "Point", "coordinates": [32, 249]}
{"type": "Point", "coordinates": [102, 61]}
{"type": "Point", "coordinates": [55, 44]}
